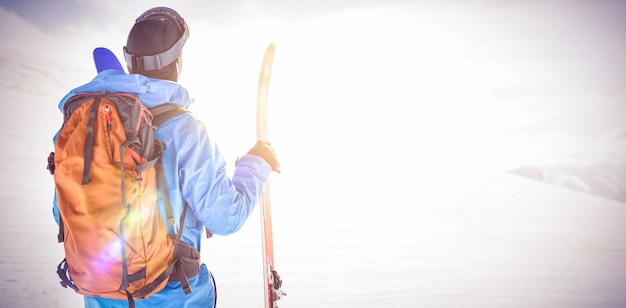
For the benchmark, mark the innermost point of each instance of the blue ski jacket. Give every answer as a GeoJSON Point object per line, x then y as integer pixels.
{"type": "Point", "coordinates": [195, 172]}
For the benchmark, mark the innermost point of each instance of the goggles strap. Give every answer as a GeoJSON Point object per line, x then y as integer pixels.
{"type": "Point", "coordinates": [158, 61]}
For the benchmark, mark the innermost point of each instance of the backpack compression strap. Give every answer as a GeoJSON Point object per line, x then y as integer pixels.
{"type": "Point", "coordinates": [89, 141]}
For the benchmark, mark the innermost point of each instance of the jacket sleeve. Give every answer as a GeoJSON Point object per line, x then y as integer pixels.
{"type": "Point", "coordinates": [222, 204]}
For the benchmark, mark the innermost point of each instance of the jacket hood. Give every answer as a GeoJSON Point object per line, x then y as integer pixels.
{"type": "Point", "coordinates": [151, 92]}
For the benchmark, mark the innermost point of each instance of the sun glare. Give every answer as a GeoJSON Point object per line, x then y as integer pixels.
{"type": "Point", "coordinates": [402, 78]}
{"type": "Point", "coordinates": [381, 78]}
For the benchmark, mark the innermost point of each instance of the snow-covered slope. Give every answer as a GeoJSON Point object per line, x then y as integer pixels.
{"type": "Point", "coordinates": [412, 233]}
{"type": "Point", "coordinates": [30, 89]}
{"type": "Point", "coordinates": [603, 179]}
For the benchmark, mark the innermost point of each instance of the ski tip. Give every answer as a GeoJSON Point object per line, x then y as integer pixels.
{"type": "Point", "coordinates": [105, 59]}
{"type": "Point", "coordinates": [271, 47]}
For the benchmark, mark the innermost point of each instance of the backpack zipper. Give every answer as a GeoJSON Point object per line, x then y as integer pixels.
{"type": "Point", "coordinates": [107, 113]}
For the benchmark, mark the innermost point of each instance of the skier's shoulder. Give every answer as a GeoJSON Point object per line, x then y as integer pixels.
{"type": "Point", "coordinates": [155, 92]}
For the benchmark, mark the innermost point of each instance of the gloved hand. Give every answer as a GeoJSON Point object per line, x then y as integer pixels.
{"type": "Point", "coordinates": [265, 150]}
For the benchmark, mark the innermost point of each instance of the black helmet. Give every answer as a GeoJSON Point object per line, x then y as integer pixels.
{"type": "Point", "coordinates": [155, 43]}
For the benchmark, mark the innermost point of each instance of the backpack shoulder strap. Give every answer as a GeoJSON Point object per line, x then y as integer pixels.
{"type": "Point", "coordinates": [164, 193]}
{"type": "Point", "coordinates": [162, 113]}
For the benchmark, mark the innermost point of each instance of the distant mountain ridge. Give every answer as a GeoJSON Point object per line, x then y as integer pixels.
{"type": "Point", "coordinates": [603, 179]}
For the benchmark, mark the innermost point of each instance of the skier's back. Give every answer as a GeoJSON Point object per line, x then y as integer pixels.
{"type": "Point", "coordinates": [195, 171]}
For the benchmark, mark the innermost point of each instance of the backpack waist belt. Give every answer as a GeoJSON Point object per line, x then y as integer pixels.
{"type": "Point", "coordinates": [187, 264]}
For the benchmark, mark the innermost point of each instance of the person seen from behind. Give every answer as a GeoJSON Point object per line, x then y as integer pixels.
{"type": "Point", "coordinates": [195, 171]}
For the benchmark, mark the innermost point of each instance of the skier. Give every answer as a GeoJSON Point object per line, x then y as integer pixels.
{"type": "Point", "coordinates": [195, 171]}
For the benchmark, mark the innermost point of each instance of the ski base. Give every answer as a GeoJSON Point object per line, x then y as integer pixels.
{"type": "Point", "coordinates": [271, 279]}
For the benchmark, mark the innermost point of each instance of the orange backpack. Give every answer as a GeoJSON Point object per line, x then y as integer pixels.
{"type": "Point", "coordinates": [105, 172]}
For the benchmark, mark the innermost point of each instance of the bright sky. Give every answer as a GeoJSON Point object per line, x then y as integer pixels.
{"type": "Point", "coordinates": [500, 83]}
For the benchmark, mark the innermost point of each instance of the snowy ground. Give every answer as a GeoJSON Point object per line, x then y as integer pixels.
{"type": "Point", "coordinates": [424, 233]}
{"type": "Point", "coordinates": [367, 214]}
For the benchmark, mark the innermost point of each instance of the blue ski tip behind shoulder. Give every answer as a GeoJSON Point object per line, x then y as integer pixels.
{"type": "Point", "coordinates": [105, 59]}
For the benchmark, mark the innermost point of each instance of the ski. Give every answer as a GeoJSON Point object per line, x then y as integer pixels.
{"type": "Point", "coordinates": [271, 281]}
{"type": "Point", "coordinates": [105, 59]}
